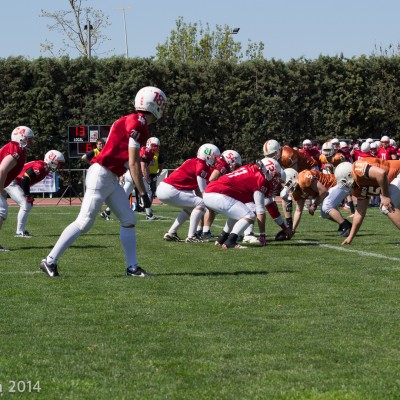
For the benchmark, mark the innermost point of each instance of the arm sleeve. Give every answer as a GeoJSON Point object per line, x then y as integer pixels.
{"type": "Point", "coordinates": [202, 183]}
{"type": "Point", "coordinates": [26, 181]}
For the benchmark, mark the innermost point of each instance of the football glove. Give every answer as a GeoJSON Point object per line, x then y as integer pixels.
{"type": "Point", "coordinates": [145, 201]}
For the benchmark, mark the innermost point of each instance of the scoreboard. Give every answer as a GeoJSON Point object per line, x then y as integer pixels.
{"type": "Point", "coordinates": [82, 138]}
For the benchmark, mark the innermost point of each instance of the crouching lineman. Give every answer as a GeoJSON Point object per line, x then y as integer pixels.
{"type": "Point", "coordinates": [228, 196]}
{"type": "Point", "coordinates": [321, 187]}
{"type": "Point", "coordinates": [184, 189]}
{"type": "Point", "coordinates": [20, 189]}
{"type": "Point", "coordinates": [278, 179]}
{"type": "Point", "coordinates": [372, 177]}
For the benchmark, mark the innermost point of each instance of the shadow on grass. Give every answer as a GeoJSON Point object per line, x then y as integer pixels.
{"type": "Point", "coordinates": [219, 273]}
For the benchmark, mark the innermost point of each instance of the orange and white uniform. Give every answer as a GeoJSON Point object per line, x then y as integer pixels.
{"type": "Point", "coordinates": [291, 158]}
{"type": "Point", "coordinates": [305, 179]}
{"type": "Point", "coordinates": [366, 187]}
{"type": "Point", "coordinates": [330, 163]}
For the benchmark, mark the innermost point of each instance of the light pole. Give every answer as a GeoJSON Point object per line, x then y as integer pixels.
{"type": "Point", "coordinates": [89, 28]}
{"type": "Point", "coordinates": [126, 36]}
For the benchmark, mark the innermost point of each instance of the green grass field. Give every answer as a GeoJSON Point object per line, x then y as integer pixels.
{"type": "Point", "coordinates": [304, 319]}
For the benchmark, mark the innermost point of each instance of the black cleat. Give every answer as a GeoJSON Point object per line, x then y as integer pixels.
{"type": "Point", "coordinates": [138, 272]}
{"type": "Point", "coordinates": [49, 269]}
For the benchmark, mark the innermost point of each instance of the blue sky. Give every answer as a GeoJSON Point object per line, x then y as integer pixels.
{"type": "Point", "coordinates": [288, 28]}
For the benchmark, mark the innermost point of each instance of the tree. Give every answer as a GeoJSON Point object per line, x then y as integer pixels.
{"type": "Point", "coordinates": [72, 25]}
{"type": "Point", "coordinates": [191, 42]}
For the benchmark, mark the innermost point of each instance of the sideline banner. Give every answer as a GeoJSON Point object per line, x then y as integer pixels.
{"type": "Point", "coordinates": [47, 185]}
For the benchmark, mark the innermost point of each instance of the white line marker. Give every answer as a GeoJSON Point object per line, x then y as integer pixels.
{"type": "Point", "coordinates": [347, 250]}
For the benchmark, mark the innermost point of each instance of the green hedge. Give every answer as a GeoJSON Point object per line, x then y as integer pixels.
{"type": "Point", "coordinates": [231, 105]}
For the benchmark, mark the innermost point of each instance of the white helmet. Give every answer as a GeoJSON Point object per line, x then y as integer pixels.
{"type": "Point", "coordinates": [152, 100]}
{"type": "Point", "coordinates": [55, 160]}
{"type": "Point", "coordinates": [307, 144]}
{"type": "Point", "coordinates": [343, 173]}
{"type": "Point", "coordinates": [344, 145]}
{"type": "Point", "coordinates": [335, 141]}
{"type": "Point", "coordinates": [208, 152]}
{"type": "Point", "coordinates": [369, 140]}
{"type": "Point", "coordinates": [291, 176]}
{"type": "Point", "coordinates": [272, 166]}
{"type": "Point", "coordinates": [153, 142]}
{"type": "Point", "coordinates": [365, 147]}
{"type": "Point", "coordinates": [21, 135]}
{"type": "Point", "coordinates": [373, 148]}
{"type": "Point", "coordinates": [392, 142]}
{"type": "Point", "coordinates": [385, 138]}
{"type": "Point", "coordinates": [272, 149]}
{"type": "Point", "coordinates": [327, 149]}
{"type": "Point", "coordinates": [233, 158]}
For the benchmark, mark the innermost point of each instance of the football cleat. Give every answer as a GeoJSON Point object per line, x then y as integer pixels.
{"type": "Point", "coordinates": [3, 248]}
{"type": "Point", "coordinates": [229, 245]}
{"type": "Point", "coordinates": [49, 269]}
{"type": "Point", "coordinates": [281, 236]}
{"type": "Point", "coordinates": [138, 272]}
{"type": "Point", "coordinates": [194, 239]}
{"type": "Point", "coordinates": [172, 237]}
{"type": "Point", "coordinates": [24, 234]}
{"type": "Point", "coordinates": [251, 238]}
{"type": "Point", "coordinates": [106, 216]}
{"type": "Point", "coordinates": [207, 235]}
{"type": "Point", "coordinates": [151, 218]}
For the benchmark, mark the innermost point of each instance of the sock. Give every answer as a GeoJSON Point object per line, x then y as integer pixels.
{"type": "Point", "coordinates": [195, 217]}
{"type": "Point", "coordinates": [128, 240]}
{"type": "Point", "coordinates": [240, 226]}
{"type": "Point", "coordinates": [69, 235]}
{"type": "Point", "coordinates": [180, 219]}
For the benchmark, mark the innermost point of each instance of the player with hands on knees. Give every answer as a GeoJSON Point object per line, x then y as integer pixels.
{"type": "Point", "coordinates": [20, 189]}
{"type": "Point", "coordinates": [12, 160]}
{"type": "Point", "coordinates": [370, 177]}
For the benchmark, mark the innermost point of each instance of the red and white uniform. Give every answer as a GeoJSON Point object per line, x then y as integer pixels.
{"type": "Point", "coordinates": [386, 153]}
{"type": "Point", "coordinates": [183, 189]}
{"type": "Point", "coordinates": [41, 169]}
{"type": "Point", "coordinates": [313, 152]}
{"type": "Point", "coordinates": [19, 154]}
{"type": "Point", "coordinates": [221, 166]}
{"type": "Point", "coordinates": [358, 154]}
{"type": "Point", "coordinates": [228, 194]}
{"type": "Point", "coordinates": [102, 186]}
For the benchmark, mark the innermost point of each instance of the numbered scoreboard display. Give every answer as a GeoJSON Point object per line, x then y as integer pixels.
{"type": "Point", "coordinates": [82, 138]}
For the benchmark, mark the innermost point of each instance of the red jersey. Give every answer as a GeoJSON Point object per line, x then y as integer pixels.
{"type": "Point", "coordinates": [367, 187]}
{"type": "Point", "coordinates": [312, 153]}
{"type": "Point", "coordinates": [241, 184]}
{"type": "Point", "coordinates": [114, 155]}
{"type": "Point", "coordinates": [221, 165]}
{"type": "Point", "coordinates": [386, 153]}
{"type": "Point", "coordinates": [291, 158]}
{"type": "Point", "coordinates": [19, 154]}
{"type": "Point", "coordinates": [40, 168]}
{"type": "Point", "coordinates": [358, 154]}
{"type": "Point", "coordinates": [146, 155]}
{"type": "Point", "coordinates": [185, 176]}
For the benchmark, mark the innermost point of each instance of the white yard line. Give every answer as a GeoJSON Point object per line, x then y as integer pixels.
{"type": "Point", "coordinates": [347, 250]}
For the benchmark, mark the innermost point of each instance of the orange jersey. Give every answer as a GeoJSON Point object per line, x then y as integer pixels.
{"type": "Point", "coordinates": [305, 180]}
{"type": "Point", "coordinates": [330, 163]}
{"type": "Point", "coordinates": [291, 158]}
{"type": "Point", "coordinates": [367, 187]}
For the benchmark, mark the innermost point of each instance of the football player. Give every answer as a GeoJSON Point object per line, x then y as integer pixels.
{"type": "Point", "coordinates": [228, 161]}
{"type": "Point", "coordinates": [370, 177]}
{"type": "Point", "coordinates": [288, 158]}
{"type": "Point", "coordinates": [184, 189]}
{"type": "Point", "coordinates": [127, 135]}
{"type": "Point", "coordinates": [386, 151]}
{"type": "Point", "coordinates": [228, 196]}
{"type": "Point", "coordinates": [321, 187]}
{"type": "Point", "coordinates": [12, 159]}
{"type": "Point", "coordinates": [20, 188]}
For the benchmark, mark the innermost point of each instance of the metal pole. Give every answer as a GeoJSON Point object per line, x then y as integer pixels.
{"type": "Point", "coordinates": [126, 37]}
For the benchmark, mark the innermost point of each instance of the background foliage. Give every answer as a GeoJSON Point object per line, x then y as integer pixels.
{"type": "Point", "coordinates": [234, 105]}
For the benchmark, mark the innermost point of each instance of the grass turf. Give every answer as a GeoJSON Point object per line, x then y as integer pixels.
{"type": "Point", "coordinates": [293, 320]}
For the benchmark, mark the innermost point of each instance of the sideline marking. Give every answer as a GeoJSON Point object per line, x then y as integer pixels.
{"type": "Point", "coordinates": [360, 252]}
